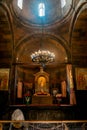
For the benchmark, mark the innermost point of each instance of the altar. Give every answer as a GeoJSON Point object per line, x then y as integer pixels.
{"type": "Point", "coordinates": [42, 95]}
{"type": "Point", "coordinates": [42, 99]}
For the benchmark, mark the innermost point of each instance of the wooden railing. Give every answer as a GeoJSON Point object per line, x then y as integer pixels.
{"type": "Point", "coordinates": [44, 125]}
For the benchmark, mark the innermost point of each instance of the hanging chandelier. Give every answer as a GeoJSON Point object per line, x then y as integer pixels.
{"type": "Point", "coordinates": [43, 57]}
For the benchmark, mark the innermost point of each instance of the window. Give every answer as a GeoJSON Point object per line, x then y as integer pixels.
{"type": "Point", "coordinates": [63, 3]}
{"type": "Point", "coordinates": [41, 9]}
{"type": "Point", "coordinates": [20, 4]}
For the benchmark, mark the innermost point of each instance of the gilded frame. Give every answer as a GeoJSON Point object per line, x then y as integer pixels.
{"type": "Point", "coordinates": [81, 78]}
{"type": "Point", "coordinates": [4, 79]}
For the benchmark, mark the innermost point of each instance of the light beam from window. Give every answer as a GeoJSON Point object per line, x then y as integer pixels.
{"type": "Point", "coordinates": [41, 9]}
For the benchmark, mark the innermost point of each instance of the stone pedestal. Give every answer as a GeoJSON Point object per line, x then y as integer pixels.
{"type": "Point", "coordinates": [42, 99]}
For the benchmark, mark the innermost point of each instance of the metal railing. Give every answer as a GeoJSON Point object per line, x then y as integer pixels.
{"type": "Point", "coordinates": [43, 125]}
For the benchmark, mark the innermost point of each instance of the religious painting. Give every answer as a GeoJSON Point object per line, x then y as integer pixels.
{"type": "Point", "coordinates": [42, 83]}
{"type": "Point", "coordinates": [4, 79]}
{"type": "Point", "coordinates": [81, 78]}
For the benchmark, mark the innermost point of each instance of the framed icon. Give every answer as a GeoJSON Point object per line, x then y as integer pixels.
{"type": "Point", "coordinates": [4, 79]}
{"type": "Point", "coordinates": [81, 78]}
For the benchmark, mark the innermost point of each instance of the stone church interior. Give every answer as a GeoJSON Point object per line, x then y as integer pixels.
{"type": "Point", "coordinates": [43, 63]}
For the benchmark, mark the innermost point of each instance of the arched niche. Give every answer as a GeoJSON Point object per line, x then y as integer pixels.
{"type": "Point", "coordinates": [41, 82]}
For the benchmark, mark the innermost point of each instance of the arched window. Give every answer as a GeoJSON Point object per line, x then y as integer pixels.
{"type": "Point", "coordinates": [41, 9]}
{"type": "Point", "coordinates": [20, 4]}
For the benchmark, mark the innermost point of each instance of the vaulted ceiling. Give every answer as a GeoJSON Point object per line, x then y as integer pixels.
{"type": "Point", "coordinates": [21, 33]}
